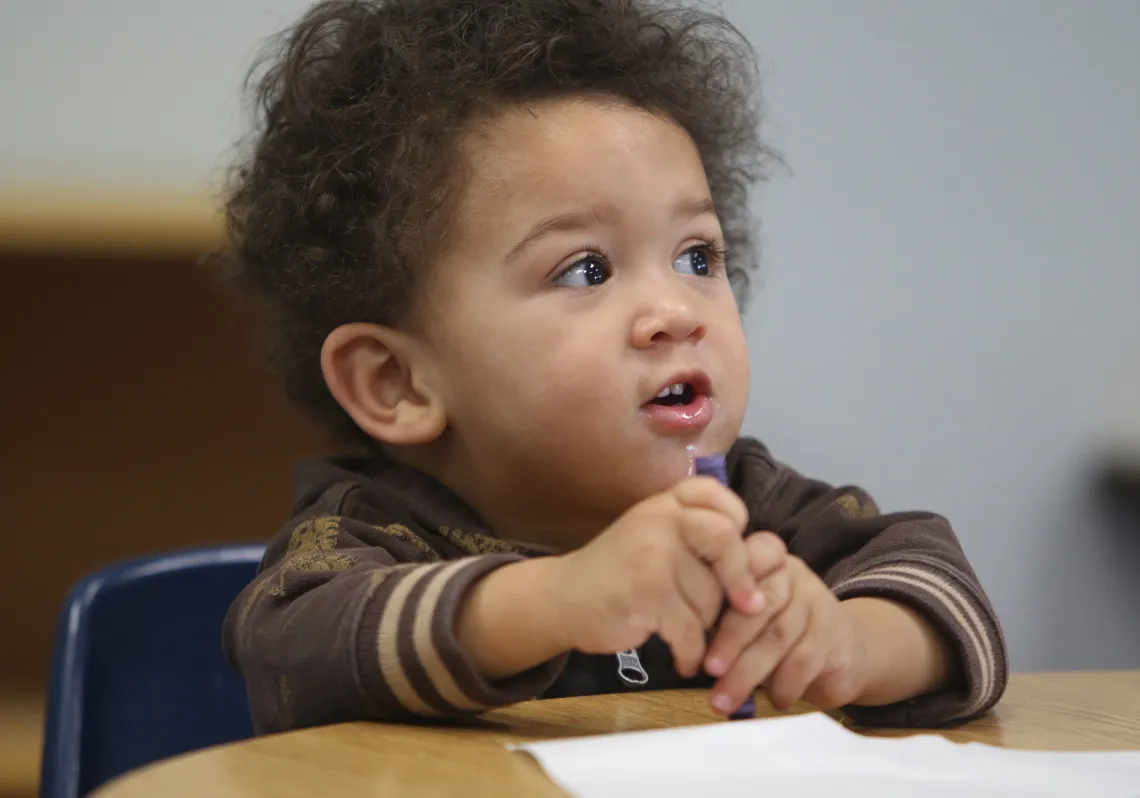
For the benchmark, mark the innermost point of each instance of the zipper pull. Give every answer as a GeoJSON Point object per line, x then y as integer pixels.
{"type": "Point", "coordinates": [630, 669]}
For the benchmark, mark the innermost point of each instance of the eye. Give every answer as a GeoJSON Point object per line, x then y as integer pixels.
{"type": "Point", "coordinates": [584, 273]}
{"type": "Point", "coordinates": [694, 260]}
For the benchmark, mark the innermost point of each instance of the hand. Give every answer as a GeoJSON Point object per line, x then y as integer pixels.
{"type": "Point", "coordinates": [804, 644]}
{"type": "Point", "coordinates": [663, 568]}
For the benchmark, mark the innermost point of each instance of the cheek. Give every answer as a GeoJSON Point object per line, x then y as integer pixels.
{"type": "Point", "coordinates": [742, 366]}
{"type": "Point", "coordinates": [567, 383]}
{"type": "Point", "coordinates": [737, 372]}
{"type": "Point", "coordinates": [530, 373]}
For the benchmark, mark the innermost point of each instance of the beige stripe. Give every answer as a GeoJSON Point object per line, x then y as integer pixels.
{"type": "Point", "coordinates": [387, 650]}
{"type": "Point", "coordinates": [441, 677]}
{"type": "Point", "coordinates": [959, 607]}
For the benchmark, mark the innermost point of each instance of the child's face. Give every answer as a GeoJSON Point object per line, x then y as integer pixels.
{"type": "Point", "coordinates": [578, 284]}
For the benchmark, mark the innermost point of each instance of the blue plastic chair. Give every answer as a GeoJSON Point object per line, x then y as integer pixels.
{"type": "Point", "coordinates": [138, 672]}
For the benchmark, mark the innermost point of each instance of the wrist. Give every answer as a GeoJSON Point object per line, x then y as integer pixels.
{"type": "Point", "coordinates": [508, 623]}
{"type": "Point", "coordinates": [863, 662]}
{"type": "Point", "coordinates": [553, 595]}
{"type": "Point", "coordinates": [903, 656]}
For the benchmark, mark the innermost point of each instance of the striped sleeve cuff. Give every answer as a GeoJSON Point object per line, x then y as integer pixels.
{"type": "Point", "coordinates": [409, 663]}
{"type": "Point", "coordinates": [954, 604]}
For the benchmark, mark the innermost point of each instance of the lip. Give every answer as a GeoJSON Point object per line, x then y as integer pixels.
{"type": "Point", "coordinates": [682, 419]}
{"type": "Point", "coordinates": [692, 417]}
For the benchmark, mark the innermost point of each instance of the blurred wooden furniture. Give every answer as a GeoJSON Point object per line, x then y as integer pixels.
{"type": "Point", "coordinates": [1046, 711]}
{"type": "Point", "coordinates": [86, 220]}
{"type": "Point", "coordinates": [136, 415]}
{"type": "Point", "coordinates": [21, 726]}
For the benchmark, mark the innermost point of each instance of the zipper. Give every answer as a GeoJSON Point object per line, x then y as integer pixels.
{"type": "Point", "coordinates": [630, 669]}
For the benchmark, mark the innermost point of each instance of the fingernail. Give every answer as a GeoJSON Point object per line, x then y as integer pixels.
{"type": "Point", "coordinates": [715, 666]}
{"type": "Point", "coordinates": [722, 703]}
{"type": "Point", "coordinates": [756, 601]}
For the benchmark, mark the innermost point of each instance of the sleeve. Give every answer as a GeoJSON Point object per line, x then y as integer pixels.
{"type": "Point", "coordinates": [913, 558]}
{"type": "Point", "coordinates": [348, 621]}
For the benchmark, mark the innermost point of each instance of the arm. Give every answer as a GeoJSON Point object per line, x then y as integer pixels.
{"type": "Point", "coordinates": [915, 569]}
{"type": "Point", "coordinates": [506, 626]}
{"type": "Point", "coordinates": [350, 621]}
{"type": "Point", "coordinates": [906, 654]}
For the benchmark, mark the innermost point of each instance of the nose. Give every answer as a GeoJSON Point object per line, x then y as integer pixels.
{"type": "Point", "coordinates": [668, 315]}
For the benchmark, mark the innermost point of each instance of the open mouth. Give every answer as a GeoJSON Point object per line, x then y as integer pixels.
{"type": "Point", "coordinates": [679, 393]}
{"type": "Point", "coordinates": [682, 389]}
{"type": "Point", "coordinates": [682, 406]}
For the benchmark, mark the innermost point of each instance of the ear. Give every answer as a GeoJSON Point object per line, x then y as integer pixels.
{"type": "Point", "coordinates": [382, 379]}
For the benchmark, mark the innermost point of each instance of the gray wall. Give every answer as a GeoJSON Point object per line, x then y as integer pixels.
{"type": "Point", "coordinates": [953, 275]}
{"type": "Point", "coordinates": [126, 92]}
{"type": "Point", "coordinates": [950, 267]}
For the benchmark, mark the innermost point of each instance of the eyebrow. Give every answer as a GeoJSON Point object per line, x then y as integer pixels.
{"type": "Point", "coordinates": [577, 220]}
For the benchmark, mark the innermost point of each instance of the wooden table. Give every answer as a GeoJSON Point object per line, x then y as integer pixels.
{"type": "Point", "coordinates": [1079, 711]}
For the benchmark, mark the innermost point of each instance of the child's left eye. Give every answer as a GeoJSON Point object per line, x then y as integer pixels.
{"type": "Point", "coordinates": [693, 261]}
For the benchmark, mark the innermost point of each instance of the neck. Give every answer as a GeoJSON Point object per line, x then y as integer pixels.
{"type": "Point", "coordinates": [519, 513]}
{"type": "Point", "coordinates": [554, 534]}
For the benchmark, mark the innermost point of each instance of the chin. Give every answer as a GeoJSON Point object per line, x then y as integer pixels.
{"type": "Point", "coordinates": [669, 467]}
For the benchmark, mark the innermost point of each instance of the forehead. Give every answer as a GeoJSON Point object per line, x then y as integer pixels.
{"type": "Point", "coordinates": [564, 153]}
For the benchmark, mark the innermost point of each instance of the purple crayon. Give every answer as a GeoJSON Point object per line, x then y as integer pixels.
{"type": "Point", "coordinates": [713, 466]}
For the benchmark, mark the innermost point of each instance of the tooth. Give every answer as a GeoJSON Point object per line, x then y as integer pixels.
{"type": "Point", "coordinates": [663, 394]}
{"type": "Point", "coordinates": [677, 389]}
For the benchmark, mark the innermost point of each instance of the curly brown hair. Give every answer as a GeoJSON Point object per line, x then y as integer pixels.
{"type": "Point", "coordinates": [341, 202]}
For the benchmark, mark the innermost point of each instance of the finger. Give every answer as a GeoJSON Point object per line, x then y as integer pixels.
{"type": "Point", "coordinates": [700, 588]}
{"type": "Point", "coordinates": [767, 553]}
{"type": "Point", "coordinates": [707, 493]}
{"type": "Point", "coordinates": [777, 590]}
{"type": "Point", "coordinates": [834, 687]}
{"type": "Point", "coordinates": [714, 542]}
{"type": "Point", "coordinates": [734, 633]}
{"type": "Point", "coordinates": [737, 630]}
{"type": "Point", "coordinates": [757, 661]}
{"type": "Point", "coordinates": [715, 538]}
{"type": "Point", "coordinates": [837, 683]}
{"type": "Point", "coordinates": [681, 629]}
{"type": "Point", "coordinates": [799, 668]}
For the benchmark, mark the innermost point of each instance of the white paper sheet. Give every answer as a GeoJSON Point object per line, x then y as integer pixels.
{"type": "Point", "coordinates": [812, 756]}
